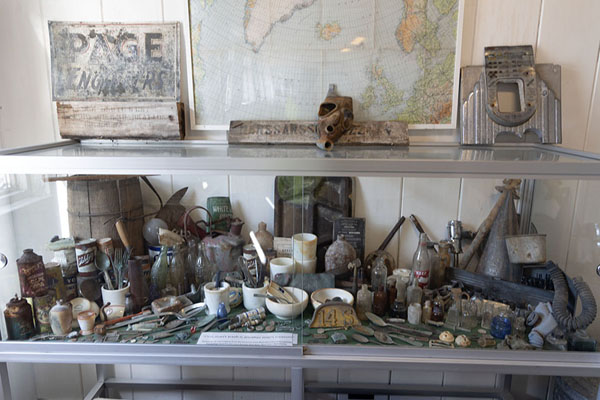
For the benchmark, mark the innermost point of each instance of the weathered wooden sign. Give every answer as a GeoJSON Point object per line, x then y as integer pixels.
{"type": "Point", "coordinates": [305, 132]}
{"type": "Point", "coordinates": [114, 62]}
{"type": "Point", "coordinates": [117, 80]}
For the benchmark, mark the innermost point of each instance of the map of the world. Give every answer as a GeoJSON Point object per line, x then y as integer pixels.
{"type": "Point", "coordinates": [275, 59]}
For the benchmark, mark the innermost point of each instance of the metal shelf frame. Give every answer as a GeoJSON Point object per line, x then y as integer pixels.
{"type": "Point", "coordinates": [187, 157]}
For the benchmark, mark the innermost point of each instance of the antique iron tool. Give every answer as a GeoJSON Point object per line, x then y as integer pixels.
{"type": "Point", "coordinates": [510, 94]}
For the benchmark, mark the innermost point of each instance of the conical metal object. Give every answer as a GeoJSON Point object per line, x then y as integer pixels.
{"type": "Point", "coordinates": [494, 261]}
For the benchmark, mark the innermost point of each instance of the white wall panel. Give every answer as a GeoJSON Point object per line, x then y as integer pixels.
{"type": "Point", "coordinates": [21, 385]}
{"type": "Point", "coordinates": [132, 10]}
{"type": "Point", "coordinates": [584, 247]}
{"type": "Point", "coordinates": [552, 214]}
{"type": "Point", "coordinates": [378, 201]}
{"type": "Point", "coordinates": [58, 381]}
{"type": "Point", "coordinates": [250, 373]}
{"type": "Point", "coordinates": [122, 371]}
{"type": "Point", "coordinates": [416, 377]}
{"type": "Point", "coordinates": [220, 373]}
{"type": "Point", "coordinates": [592, 139]}
{"type": "Point", "coordinates": [25, 106]}
{"type": "Point", "coordinates": [505, 23]}
{"type": "Point", "coordinates": [468, 33]}
{"type": "Point", "coordinates": [252, 200]}
{"type": "Point", "coordinates": [139, 371]}
{"type": "Point", "coordinates": [434, 201]}
{"type": "Point", "coordinates": [569, 36]}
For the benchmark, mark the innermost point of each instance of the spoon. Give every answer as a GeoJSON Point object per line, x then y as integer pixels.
{"type": "Point", "coordinates": [407, 340]}
{"type": "Point", "coordinates": [103, 264]}
{"type": "Point", "coordinates": [273, 298]}
{"type": "Point", "coordinates": [383, 337]}
{"type": "Point", "coordinates": [364, 330]}
{"type": "Point", "coordinates": [360, 338]}
{"type": "Point", "coordinates": [381, 323]}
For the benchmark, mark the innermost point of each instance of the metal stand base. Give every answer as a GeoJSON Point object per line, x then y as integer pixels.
{"type": "Point", "coordinates": [297, 387]}
{"type": "Point", "coordinates": [4, 382]}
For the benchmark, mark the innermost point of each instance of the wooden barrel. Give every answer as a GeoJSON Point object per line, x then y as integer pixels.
{"type": "Point", "coordinates": [94, 205]}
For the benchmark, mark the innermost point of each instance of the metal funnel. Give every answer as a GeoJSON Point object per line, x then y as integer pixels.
{"type": "Point", "coordinates": [494, 261]}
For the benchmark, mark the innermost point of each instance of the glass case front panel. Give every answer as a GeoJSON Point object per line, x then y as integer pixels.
{"type": "Point", "coordinates": [400, 262]}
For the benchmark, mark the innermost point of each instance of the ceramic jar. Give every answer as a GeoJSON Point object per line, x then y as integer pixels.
{"type": "Point", "coordinates": [251, 302]}
{"type": "Point", "coordinates": [338, 256]}
{"type": "Point", "coordinates": [86, 320]}
{"type": "Point", "coordinates": [61, 318]}
{"type": "Point", "coordinates": [264, 237]}
{"type": "Point", "coordinates": [414, 314]}
{"type": "Point", "coordinates": [214, 296]}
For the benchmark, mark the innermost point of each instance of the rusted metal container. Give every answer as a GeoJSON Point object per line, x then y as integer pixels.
{"type": "Point", "coordinates": [64, 254]}
{"type": "Point", "coordinates": [32, 274]}
{"type": "Point", "coordinates": [85, 251]}
{"type": "Point", "coordinates": [41, 312]}
{"type": "Point", "coordinates": [54, 280]}
{"type": "Point", "coordinates": [19, 319]}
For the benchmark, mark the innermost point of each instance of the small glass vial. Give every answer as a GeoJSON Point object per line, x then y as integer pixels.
{"type": "Point", "coordinates": [414, 314]}
{"type": "Point", "coordinates": [364, 302]}
{"type": "Point", "coordinates": [437, 311]}
{"type": "Point", "coordinates": [401, 291]}
{"type": "Point", "coordinates": [380, 301]}
{"type": "Point", "coordinates": [414, 293]}
{"type": "Point", "coordinates": [469, 315]}
{"type": "Point", "coordinates": [519, 327]}
{"type": "Point", "coordinates": [379, 275]}
{"type": "Point", "coordinates": [427, 309]}
{"type": "Point", "coordinates": [487, 315]}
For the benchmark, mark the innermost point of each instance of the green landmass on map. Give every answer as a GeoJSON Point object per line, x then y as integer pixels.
{"type": "Point", "coordinates": [444, 6]}
{"type": "Point", "coordinates": [391, 96]}
{"type": "Point", "coordinates": [431, 102]}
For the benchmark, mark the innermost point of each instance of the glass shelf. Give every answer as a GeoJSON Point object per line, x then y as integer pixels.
{"type": "Point", "coordinates": [184, 157]}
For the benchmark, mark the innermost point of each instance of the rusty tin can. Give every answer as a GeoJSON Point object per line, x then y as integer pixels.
{"type": "Point", "coordinates": [86, 255]}
{"type": "Point", "coordinates": [64, 254]}
{"type": "Point", "coordinates": [32, 274]}
{"type": "Point", "coordinates": [41, 312]}
{"type": "Point", "coordinates": [54, 280]}
{"type": "Point", "coordinates": [19, 319]}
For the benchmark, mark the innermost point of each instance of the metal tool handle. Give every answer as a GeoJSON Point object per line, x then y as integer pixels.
{"type": "Point", "coordinates": [416, 223]}
{"type": "Point", "coordinates": [390, 235]}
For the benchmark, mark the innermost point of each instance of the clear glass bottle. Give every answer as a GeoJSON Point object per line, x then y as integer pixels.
{"type": "Point", "coordinates": [379, 275]}
{"type": "Point", "coordinates": [441, 262]}
{"type": "Point", "coordinates": [421, 265]}
{"type": "Point", "coordinates": [205, 270]}
{"type": "Point", "coordinates": [401, 291]}
{"type": "Point", "coordinates": [426, 313]}
{"type": "Point", "coordinates": [177, 270]}
{"type": "Point", "coordinates": [469, 315]}
{"type": "Point", "coordinates": [159, 274]}
{"type": "Point", "coordinates": [364, 302]}
{"type": "Point", "coordinates": [414, 293]}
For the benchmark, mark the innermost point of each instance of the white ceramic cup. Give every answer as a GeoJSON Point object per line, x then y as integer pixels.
{"type": "Point", "coordinates": [305, 266]}
{"type": "Point", "coordinates": [281, 265]}
{"type": "Point", "coordinates": [212, 297]}
{"type": "Point", "coordinates": [86, 320]}
{"type": "Point", "coordinates": [251, 302]}
{"type": "Point", "coordinates": [114, 297]}
{"type": "Point", "coordinates": [304, 246]}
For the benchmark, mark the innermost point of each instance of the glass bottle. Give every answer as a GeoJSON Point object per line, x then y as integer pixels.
{"type": "Point", "coordinates": [159, 274]}
{"type": "Point", "coordinates": [427, 310]}
{"type": "Point", "coordinates": [177, 270]}
{"type": "Point", "coordinates": [455, 311]}
{"type": "Point", "coordinates": [391, 295]}
{"type": "Point", "coordinates": [421, 265]}
{"type": "Point", "coordinates": [398, 308]}
{"type": "Point", "coordinates": [487, 315]}
{"type": "Point", "coordinates": [414, 314]}
{"type": "Point", "coordinates": [437, 311]}
{"type": "Point", "coordinates": [469, 315]}
{"type": "Point", "coordinates": [379, 275]}
{"type": "Point", "coordinates": [364, 302]}
{"type": "Point", "coordinates": [190, 264]}
{"type": "Point", "coordinates": [414, 293]}
{"type": "Point", "coordinates": [401, 291]}
{"type": "Point", "coordinates": [441, 262]}
{"type": "Point", "coordinates": [500, 326]}
{"type": "Point", "coordinates": [137, 284]}
{"type": "Point", "coordinates": [205, 270]}
{"type": "Point", "coordinates": [380, 301]}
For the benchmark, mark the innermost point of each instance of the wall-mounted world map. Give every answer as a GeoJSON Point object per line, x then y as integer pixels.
{"type": "Point", "coordinates": [274, 59]}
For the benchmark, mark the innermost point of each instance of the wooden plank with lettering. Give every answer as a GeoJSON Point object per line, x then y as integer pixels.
{"type": "Point", "coordinates": [124, 120]}
{"type": "Point", "coordinates": [116, 81]}
{"type": "Point", "coordinates": [114, 62]}
{"type": "Point", "coordinates": [305, 132]}
{"type": "Point", "coordinates": [353, 230]}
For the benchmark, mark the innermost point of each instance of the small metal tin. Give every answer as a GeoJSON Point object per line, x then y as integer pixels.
{"type": "Point", "coordinates": [19, 319]}
{"type": "Point", "coordinates": [85, 252]}
{"type": "Point", "coordinates": [54, 280]}
{"type": "Point", "coordinates": [41, 311]}
{"type": "Point", "coordinates": [32, 274]}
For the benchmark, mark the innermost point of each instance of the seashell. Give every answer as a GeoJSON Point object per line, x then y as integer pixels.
{"type": "Point", "coordinates": [462, 341]}
{"type": "Point", "coordinates": [446, 337]}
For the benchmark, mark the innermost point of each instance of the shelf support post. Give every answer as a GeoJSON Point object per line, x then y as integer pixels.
{"type": "Point", "coordinates": [297, 383]}
{"type": "Point", "coordinates": [5, 393]}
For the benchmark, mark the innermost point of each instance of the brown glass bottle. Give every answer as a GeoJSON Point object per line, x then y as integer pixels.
{"type": "Point", "coordinates": [437, 311]}
{"type": "Point", "coordinates": [380, 301]}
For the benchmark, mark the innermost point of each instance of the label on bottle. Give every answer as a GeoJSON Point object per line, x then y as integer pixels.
{"type": "Point", "coordinates": [422, 278]}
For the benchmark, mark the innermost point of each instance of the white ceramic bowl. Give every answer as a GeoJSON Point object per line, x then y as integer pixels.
{"type": "Point", "coordinates": [289, 311]}
{"type": "Point", "coordinates": [320, 296]}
